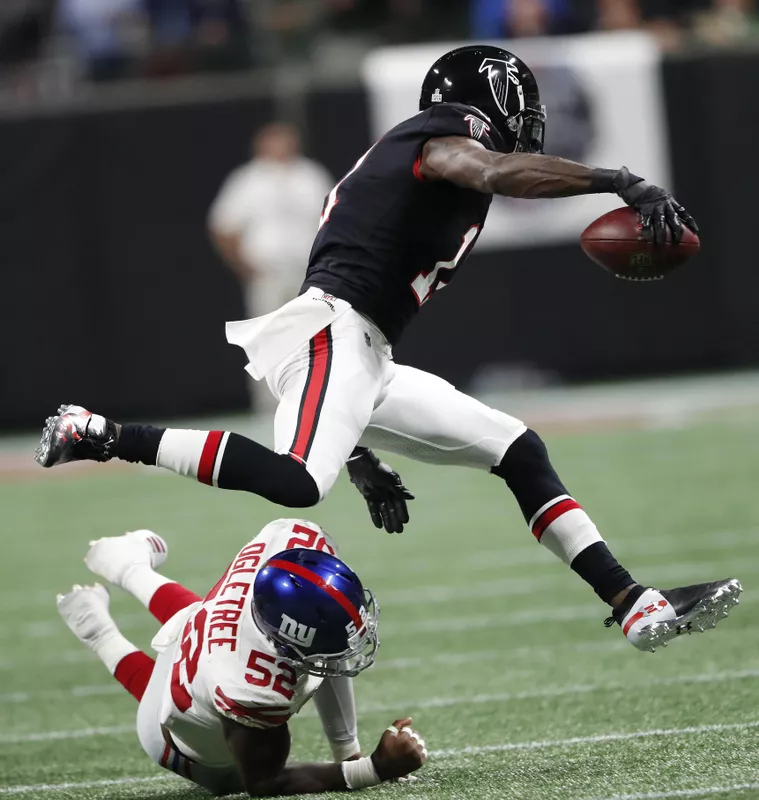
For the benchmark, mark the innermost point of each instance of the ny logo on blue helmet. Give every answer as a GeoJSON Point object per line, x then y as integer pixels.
{"type": "Point", "coordinates": [295, 632]}
{"type": "Point", "coordinates": [313, 606]}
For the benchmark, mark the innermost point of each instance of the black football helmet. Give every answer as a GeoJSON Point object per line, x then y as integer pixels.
{"type": "Point", "coordinates": [499, 85]}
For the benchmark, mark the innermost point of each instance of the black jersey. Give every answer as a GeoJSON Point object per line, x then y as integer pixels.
{"type": "Point", "coordinates": [387, 238]}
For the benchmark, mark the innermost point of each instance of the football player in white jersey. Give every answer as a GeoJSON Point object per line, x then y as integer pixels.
{"type": "Point", "coordinates": [286, 622]}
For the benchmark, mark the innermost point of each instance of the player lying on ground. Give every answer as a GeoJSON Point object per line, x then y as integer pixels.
{"type": "Point", "coordinates": [393, 231]}
{"type": "Point", "coordinates": [286, 622]}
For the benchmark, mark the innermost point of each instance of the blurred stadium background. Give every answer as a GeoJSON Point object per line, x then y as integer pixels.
{"type": "Point", "coordinates": [119, 122]}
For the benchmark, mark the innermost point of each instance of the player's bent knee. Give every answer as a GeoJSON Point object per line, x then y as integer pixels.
{"type": "Point", "coordinates": [528, 454]}
{"type": "Point", "coordinates": [298, 488]}
{"type": "Point", "coordinates": [527, 471]}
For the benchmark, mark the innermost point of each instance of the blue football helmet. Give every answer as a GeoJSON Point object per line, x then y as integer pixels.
{"type": "Point", "coordinates": [315, 609]}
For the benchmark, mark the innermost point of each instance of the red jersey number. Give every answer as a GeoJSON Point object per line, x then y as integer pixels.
{"type": "Point", "coordinates": [310, 539]}
{"type": "Point", "coordinates": [187, 663]}
{"type": "Point", "coordinates": [259, 674]}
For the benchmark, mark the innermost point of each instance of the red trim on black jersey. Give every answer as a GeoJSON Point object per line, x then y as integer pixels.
{"type": "Point", "coordinates": [312, 400]}
{"type": "Point", "coordinates": [418, 168]}
{"type": "Point", "coordinates": [335, 594]}
{"type": "Point", "coordinates": [552, 514]}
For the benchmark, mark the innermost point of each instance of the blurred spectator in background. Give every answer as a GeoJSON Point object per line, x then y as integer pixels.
{"type": "Point", "coordinates": [496, 19]}
{"type": "Point", "coordinates": [398, 21]}
{"type": "Point", "coordinates": [671, 20]}
{"type": "Point", "coordinates": [614, 15]}
{"type": "Point", "coordinates": [729, 20]}
{"type": "Point", "coordinates": [196, 35]}
{"type": "Point", "coordinates": [265, 217]}
{"type": "Point", "coordinates": [24, 28]}
{"type": "Point", "coordinates": [106, 35]}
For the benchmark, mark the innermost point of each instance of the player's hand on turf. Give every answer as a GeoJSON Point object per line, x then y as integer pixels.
{"type": "Point", "coordinates": [400, 751]}
{"type": "Point", "coordinates": [382, 489]}
{"type": "Point", "coordinates": [657, 208]}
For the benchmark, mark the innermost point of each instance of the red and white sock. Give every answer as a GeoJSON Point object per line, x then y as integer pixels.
{"type": "Point", "coordinates": [162, 596]}
{"type": "Point", "coordinates": [170, 599]}
{"type": "Point", "coordinates": [196, 454]}
{"type": "Point", "coordinates": [564, 528]}
{"type": "Point", "coordinates": [142, 582]}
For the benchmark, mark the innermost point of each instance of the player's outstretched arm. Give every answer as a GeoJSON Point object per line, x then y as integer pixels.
{"type": "Point", "coordinates": [261, 757]}
{"type": "Point", "coordinates": [467, 163]}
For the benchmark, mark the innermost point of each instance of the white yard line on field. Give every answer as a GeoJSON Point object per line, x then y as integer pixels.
{"type": "Point", "coordinates": [437, 702]}
{"type": "Point", "coordinates": [79, 733]}
{"type": "Point", "coordinates": [706, 791]}
{"type": "Point", "coordinates": [62, 787]}
{"type": "Point", "coordinates": [533, 653]}
{"type": "Point", "coordinates": [83, 655]}
{"type": "Point", "coordinates": [552, 691]}
{"type": "Point", "coordinates": [521, 552]}
{"type": "Point", "coordinates": [52, 628]}
{"type": "Point", "coordinates": [472, 751]}
{"type": "Point", "coordinates": [604, 738]}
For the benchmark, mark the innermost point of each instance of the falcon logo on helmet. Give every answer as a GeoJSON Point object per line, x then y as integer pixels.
{"type": "Point", "coordinates": [499, 87]}
{"type": "Point", "coordinates": [476, 126]}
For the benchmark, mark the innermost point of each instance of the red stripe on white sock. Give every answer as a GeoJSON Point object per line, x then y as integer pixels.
{"type": "Point", "coordinates": [551, 514]}
{"type": "Point", "coordinates": [208, 457]}
{"type": "Point", "coordinates": [157, 544]}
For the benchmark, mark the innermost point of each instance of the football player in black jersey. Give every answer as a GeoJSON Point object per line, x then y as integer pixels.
{"type": "Point", "coordinates": [393, 231]}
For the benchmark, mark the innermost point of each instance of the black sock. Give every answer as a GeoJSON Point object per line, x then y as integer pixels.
{"type": "Point", "coordinates": [250, 467]}
{"type": "Point", "coordinates": [598, 567]}
{"type": "Point", "coordinates": [139, 443]}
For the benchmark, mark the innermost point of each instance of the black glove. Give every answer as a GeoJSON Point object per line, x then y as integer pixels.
{"type": "Point", "coordinates": [382, 489]}
{"type": "Point", "coordinates": [658, 209]}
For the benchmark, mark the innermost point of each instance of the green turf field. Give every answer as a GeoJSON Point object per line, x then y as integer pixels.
{"type": "Point", "coordinates": [495, 648]}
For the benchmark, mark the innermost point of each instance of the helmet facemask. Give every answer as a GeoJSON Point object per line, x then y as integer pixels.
{"type": "Point", "coordinates": [358, 656]}
{"type": "Point", "coordinates": [529, 129]}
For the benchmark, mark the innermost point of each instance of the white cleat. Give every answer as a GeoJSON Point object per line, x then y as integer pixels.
{"type": "Point", "coordinates": [85, 610]}
{"type": "Point", "coordinates": [113, 557]}
{"type": "Point", "coordinates": [657, 617]}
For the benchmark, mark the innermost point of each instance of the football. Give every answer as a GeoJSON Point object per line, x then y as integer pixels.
{"type": "Point", "coordinates": [615, 243]}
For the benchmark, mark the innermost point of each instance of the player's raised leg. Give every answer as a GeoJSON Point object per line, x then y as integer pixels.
{"type": "Point", "coordinates": [424, 417]}
{"type": "Point", "coordinates": [85, 610]}
{"type": "Point", "coordinates": [129, 562]}
{"type": "Point", "coordinates": [326, 392]}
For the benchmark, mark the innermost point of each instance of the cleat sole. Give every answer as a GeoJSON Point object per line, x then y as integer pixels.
{"type": "Point", "coordinates": [42, 452]}
{"type": "Point", "coordinates": [702, 617]}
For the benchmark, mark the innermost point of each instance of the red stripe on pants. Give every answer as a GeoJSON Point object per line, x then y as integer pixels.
{"type": "Point", "coordinates": [552, 514]}
{"type": "Point", "coordinates": [208, 457]}
{"type": "Point", "coordinates": [169, 599]}
{"type": "Point", "coordinates": [312, 392]}
{"type": "Point", "coordinates": [133, 673]}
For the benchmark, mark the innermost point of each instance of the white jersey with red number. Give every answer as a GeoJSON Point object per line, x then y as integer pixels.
{"type": "Point", "coordinates": [224, 665]}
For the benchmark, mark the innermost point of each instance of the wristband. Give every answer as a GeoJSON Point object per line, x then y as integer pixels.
{"type": "Point", "coordinates": [602, 181]}
{"type": "Point", "coordinates": [360, 774]}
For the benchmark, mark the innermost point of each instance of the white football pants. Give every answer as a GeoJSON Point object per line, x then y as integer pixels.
{"type": "Point", "coordinates": [343, 388]}
{"type": "Point", "coordinates": [217, 780]}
